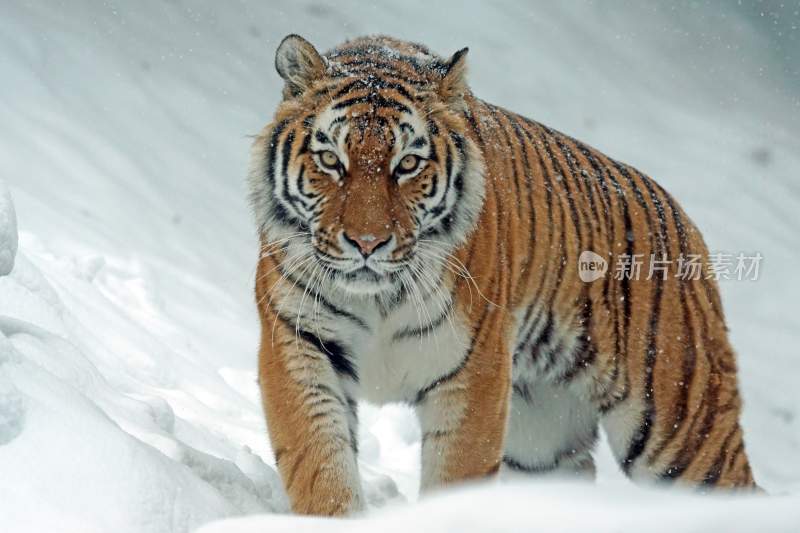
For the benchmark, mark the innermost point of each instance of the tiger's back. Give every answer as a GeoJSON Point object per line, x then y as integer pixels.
{"type": "Point", "coordinates": [420, 245]}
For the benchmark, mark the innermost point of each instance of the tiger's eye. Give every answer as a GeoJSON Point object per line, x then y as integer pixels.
{"type": "Point", "coordinates": [329, 159]}
{"type": "Point", "coordinates": [408, 163]}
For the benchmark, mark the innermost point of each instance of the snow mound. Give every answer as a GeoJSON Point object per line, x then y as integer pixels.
{"type": "Point", "coordinates": [79, 440]}
{"type": "Point", "coordinates": [552, 507]}
{"type": "Point", "coordinates": [8, 231]}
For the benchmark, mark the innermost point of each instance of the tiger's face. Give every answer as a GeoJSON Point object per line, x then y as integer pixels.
{"type": "Point", "coordinates": [364, 180]}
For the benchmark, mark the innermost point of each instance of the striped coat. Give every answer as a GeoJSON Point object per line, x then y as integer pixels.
{"type": "Point", "coordinates": [420, 245]}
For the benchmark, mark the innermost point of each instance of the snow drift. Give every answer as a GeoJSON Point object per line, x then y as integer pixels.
{"type": "Point", "coordinates": [551, 507]}
{"type": "Point", "coordinates": [8, 231]}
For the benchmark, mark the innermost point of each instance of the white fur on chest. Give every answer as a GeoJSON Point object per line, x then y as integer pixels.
{"type": "Point", "coordinates": [395, 359]}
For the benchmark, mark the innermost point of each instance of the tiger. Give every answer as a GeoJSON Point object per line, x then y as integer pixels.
{"type": "Point", "coordinates": [421, 246]}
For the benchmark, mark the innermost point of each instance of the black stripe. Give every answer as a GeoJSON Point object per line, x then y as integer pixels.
{"type": "Point", "coordinates": [385, 70]}
{"type": "Point", "coordinates": [576, 219]}
{"type": "Point", "coordinates": [369, 54]}
{"type": "Point", "coordinates": [474, 125]}
{"type": "Point", "coordinates": [302, 186]}
{"type": "Point", "coordinates": [545, 338]}
{"type": "Point", "coordinates": [509, 159]}
{"type": "Point", "coordinates": [436, 434]}
{"type": "Point", "coordinates": [335, 352]}
{"type": "Point", "coordinates": [548, 191]}
{"type": "Point", "coordinates": [523, 391]}
{"type": "Point", "coordinates": [536, 141]}
{"type": "Point", "coordinates": [321, 137]}
{"type": "Point", "coordinates": [419, 332]}
{"type": "Point", "coordinates": [529, 194]}
{"type": "Point", "coordinates": [330, 307]}
{"type": "Point", "coordinates": [642, 435]}
{"type": "Point", "coordinates": [434, 184]}
{"type": "Point", "coordinates": [442, 205]}
{"type": "Point", "coordinates": [586, 351]}
{"type": "Point", "coordinates": [286, 152]}
{"type": "Point", "coordinates": [528, 326]}
{"type": "Point", "coordinates": [286, 196]}
{"type": "Point", "coordinates": [419, 142]}
{"type": "Point", "coordinates": [424, 391]}
{"type": "Point", "coordinates": [319, 390]}
{"type": "Point", "coordinates": [407, 128]}
{"type": "Point", "coordinates": [689, 355]}
{"type": "Point", "coordinates": [352, 407]}
{"type": "Point", "coordinates": [293, 199]}
{"type": "Point", "coordinates": [273, 148]}
{"type": "Point", "coordinates": [735, 454]}
{"type": "Point", "coordinates": [580, 177]}
{"type": "Point", "coordinates": [513, 464]}
{"type": "Point", "coordinates": [715, 471]}
{"type": "Point", "coordinates": [370, 83]}
{"type": "Point", "coordinates": [625, 290]}
{"type": "Point", "coordinates": [576, 449]}
{"type": "Point", "coordinates": [609, 298]}
{"type": "Point", "coordinates": [709, 393]}
{"type": "Point", "coordinates": [374, 99]}
{"type": "Point", "coordinates": [304, 145]}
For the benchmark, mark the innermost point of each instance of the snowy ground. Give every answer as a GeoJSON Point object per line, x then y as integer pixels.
{"type": "Point", "coordinates": [127, 328]}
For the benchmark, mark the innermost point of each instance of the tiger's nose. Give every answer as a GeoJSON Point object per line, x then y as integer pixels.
{"type": "Point", "coordinates": [366, 243]}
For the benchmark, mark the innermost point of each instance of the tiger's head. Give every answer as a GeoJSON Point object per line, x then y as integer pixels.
{"type": "Point", "coordinates": [367, 178]}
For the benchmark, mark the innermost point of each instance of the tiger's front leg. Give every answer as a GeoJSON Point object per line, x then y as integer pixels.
{"type": "Point", "coordinates": [307, 417]}
{"type": "Point", "coordinates": [463, 416]}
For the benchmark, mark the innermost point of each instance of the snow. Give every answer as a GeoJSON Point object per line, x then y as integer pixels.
{"type": "Point", "coordinates": [556, 507]}
{"type": "Point", "coordinates": [8, 231]}
{"type": "Point", "coordinates": [128, 335]}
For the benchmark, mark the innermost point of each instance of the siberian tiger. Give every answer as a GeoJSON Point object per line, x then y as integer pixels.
{"type": "Point", "coordinates": [420, 245]}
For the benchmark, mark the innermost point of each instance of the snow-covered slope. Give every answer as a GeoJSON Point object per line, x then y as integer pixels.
{"type": "Point", "coordinates": [556, 507]}
{"type": "Point", "coordinates": [127, 330]}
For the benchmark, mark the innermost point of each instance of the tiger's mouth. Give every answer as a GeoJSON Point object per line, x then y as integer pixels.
{"type": "Point", "coordinates": [364, 273]}
{"type": "Point", "coordinates": [372, 274]}
{"type": "Point", "coordinates": [370, 266]}
{"type": "Point", "coordinates": [365, 281]}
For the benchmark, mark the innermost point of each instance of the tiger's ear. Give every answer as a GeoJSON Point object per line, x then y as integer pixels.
{"type": "Point", "coordinates": [299, 63]}
{"type": "Point", "coordinates": [453, 85]}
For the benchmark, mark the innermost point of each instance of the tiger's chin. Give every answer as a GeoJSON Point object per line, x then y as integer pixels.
{"type": "Point", "coordinates": [366, 282]}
